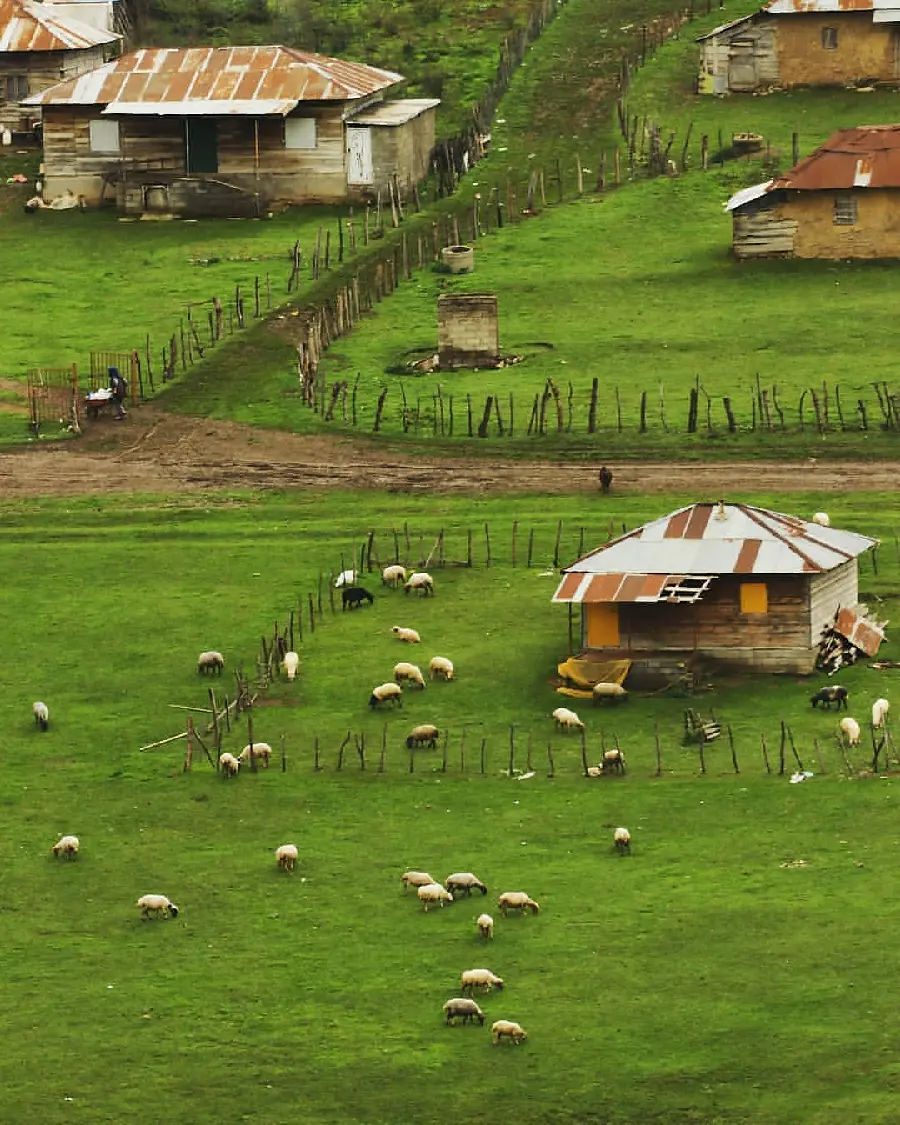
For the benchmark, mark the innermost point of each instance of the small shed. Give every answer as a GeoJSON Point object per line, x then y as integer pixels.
{"type": "Point", "coordinates": [843, 201]}
{"type": "Point", "coordinates": [232, 131]}
{"type": "Point", "coordinates": [803, 43]}
{"type": "Point", "coordinates": [39, 45]}
{"type": "Point", "coordinates": [735, 584]}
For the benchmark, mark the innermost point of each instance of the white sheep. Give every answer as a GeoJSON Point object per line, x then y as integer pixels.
{"type": "Point", "coordinates": [416, 879]}
{"type": "Point", "coordinates": [291, 664]}
{"type": "Point", "coordinates": [404, 672]}
{"type": "Point", "coordinates": [821, 518]}
{"type": "Point", "coordinates": [345, 578]}
{"type": "Point", "coordinates": [516, 900]}
{"type": "Point", "coordinates": [609, 693]}
{"type": "Point", "coordinates": [286, 857]}
{"type": "Point", "coordinates": [508, 1029]}
{"type": "Point", "coordinates": [41, 714]}
{"type": "Point", "coordinates": [261, 752]}
{"type": "Point", "coordinates": [421, 582]}
{"type": "Point", "coordinates": [157, 905]}
{"type": "Point", "coordinates": [461, 1007]}
{"type": "Point", "coordinates": [480, 978]}
{"type": "Point", "coordinates": [485, 924]}
{"type": "Point", "coordinates": [850, 727]}
{"type": "Point", "coordinates": [66, 847]}
{"type": "Point", "coordinates": [393, 575]}
{"type": "Point", "coordinates": [386, 693]}
{"type": "Point", "coordinates": [622, 841]}
{"type": "Point", "coordinates": [880, 709]}
{"type": "Point", "coordinates": [567, 720]}
{"type": "Point", "coordinates": [613, 761]}
{"type": "Point", "coordinates": [426, 734]}
{"type": "Point", "coordinates": [433, 893]}
{"type": "Point", "coordinates": [439, 667]}
{"type": "Point", "coordinates": [210, 662]}
{"type": "Point", "coordinates": [228, 764]}
{"type": "Point", "coordinates": [464, 882]}
{"type": "Point", "coordinates": [409, 635]}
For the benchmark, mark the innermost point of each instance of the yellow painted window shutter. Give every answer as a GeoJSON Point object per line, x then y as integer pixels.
{"type": "Point", "coordinates": [602, 625]}
{"type": "Point", "coordinates": [754, 597]}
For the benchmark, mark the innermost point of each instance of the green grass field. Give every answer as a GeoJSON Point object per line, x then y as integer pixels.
{"type": "Point", "coordinates": [698, 980]}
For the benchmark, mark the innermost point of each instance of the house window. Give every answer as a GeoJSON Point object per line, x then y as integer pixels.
{"type": "Point", "coordinates": [754, 597]}
{"type": "Point", "coordinates": [300, 132]}
{"type": "Point", "coordinates": [845, 210]}
{"type": "Point", "coordinates": [829, 38]}
{"type": "Point", "coordinates": [16, 87]}
{"type": "Point", "coordinates": [104, 136]}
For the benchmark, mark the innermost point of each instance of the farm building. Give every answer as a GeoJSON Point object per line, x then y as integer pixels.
{"type": "Point", "coordinates": [231, 131]}
{"type": "Point", "coordinates": [39, 45]}
{"type": "Point", "coordinates": [803, 43]}
{"type": "Point", "coordinates": [843, 201]}
{"type": "Point", "coordinates": [731, 583]}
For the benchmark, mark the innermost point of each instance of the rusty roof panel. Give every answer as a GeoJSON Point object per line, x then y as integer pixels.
{"type": "Point", "coordinates": [698, 521]}
{"type": "Point", "coordinates": [631, 588]}
{"type": "Point", "coordinates": [747, 556]}
{"type": "Point", "coordinates": [604, 588]}
{"type": "Point", "coordinates": [676, 524]}
{"type": "Point", "coordinates": [26, 25]}
{"type": "Point", "coordinates": [567, 587]}
{"type": "Point", "coordinates": [214, 76]}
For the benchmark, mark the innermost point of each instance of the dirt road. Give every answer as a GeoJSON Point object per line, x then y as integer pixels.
{"type": "Point", "coordinates": [157, 452]}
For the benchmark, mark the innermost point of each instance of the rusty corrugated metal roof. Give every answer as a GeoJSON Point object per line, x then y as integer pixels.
{"type": "Point", "coordinates": [26, 25]}
{"type": "Point", "coordinates": [865, 157]}
{"type": "Point", "coordinates": [704, 540]}
{"type": "Point", "coordinates": [588, 588]}
{"type": "Point", "coordinates": [214, 76]}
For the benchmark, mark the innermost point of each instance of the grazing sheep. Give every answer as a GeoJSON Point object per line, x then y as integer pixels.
{"type": "Point", "coordinates": [355, 596]}
{"type": "Point", "coordinates": [156, 904]}
{"type": "Point", "coordinates": [516, 900]}
{"type": "Point", "coordinates": [286, 857]}
{"type": "Point", "coordinates": [393, 575]}
{"type": "Point", "coordinates": [464, 882]}
{"type": "Point", "coordinates": [409, 635]}
{"type": "Point", "coordinates": [408, 673]}
{"type": "Point", "coordinates": [821, 518]}
{"type": "Point", "coordinates": [834, 693]}
{"type": "Point", "coordinates": [613, 761]}
{"type": "Point", "coordinates": [210, 662]}
{"type": "Point", "coordinates": [421, 582]}
{"type": "Point", "coordinates": [461, 1007]}
{"type": "Point", "coordinates": [345, 578]}
{"type": "Point", "coordinates": [567, 720]}
{"type": "Point", "coordinates": [480, 978]}
{"type": "Point", "coordinates": [416, 879]}
{"type": "Point", "coordinates": [440, 668]}
{"type": "Point", "coordinates": [507, 1029]}
{"type": "Point", "coordinates": [259, 751]}
{"type": "Point", "coordinates": [424, 735]}
{"type": "Point", "coordinates": [880, 709]}
{"type": "Point", "coordinates": [485, 924]}
{"type": "Point", "coordinates": [850, 727]}
{"type": "Point", "coordinates": [291, 663]}
{"type": "Point", "coordinates": [41, 714]}
{"type": "Point", "coordinates": [67, 847]}
{"type": "Point", "coordinates": [622, 841]}
{"type": "Point", "coordinates": [386, 693]}
{"type": "Point", "coordinates": [609, 693]}
{"type": "Point", "coordinates": [433, 893]}
{"type": "Point", "coordinates": [228, 765]}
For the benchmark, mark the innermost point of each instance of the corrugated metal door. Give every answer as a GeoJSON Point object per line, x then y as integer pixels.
{"type": "Point", "coordinates": [602, 625]}
{"type": "Point", "coordinates": [359, 155]}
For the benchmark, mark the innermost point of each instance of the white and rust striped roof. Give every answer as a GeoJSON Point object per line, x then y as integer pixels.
{"type": "Point", "coordinates": [26, 25]}
{"type": "Point", "coordinates": [703, 541]}
{"type": "Point", "coordinates": [218, 80]}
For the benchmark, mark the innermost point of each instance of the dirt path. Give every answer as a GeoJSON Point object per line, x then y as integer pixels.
{"type": "Point", "coordinates": [167, 453]}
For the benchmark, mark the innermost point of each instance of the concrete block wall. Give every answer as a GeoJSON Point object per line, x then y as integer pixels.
{"type": "Point", "coordinates": [468, 330]}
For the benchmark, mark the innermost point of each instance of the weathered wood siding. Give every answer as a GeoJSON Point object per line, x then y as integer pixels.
{"type": "Point", "coordinates": [865, 50]}
{"type": "Point", "coordinates": [838, 587]}
{"type": "Point", "coordinates": [875, 234]}
{"type": "Point", "coordinates": [763, 234]}
{"type": "Point", "coordinates": [43, 69]}
{"type": "Point", "coordinates": [741, 59]}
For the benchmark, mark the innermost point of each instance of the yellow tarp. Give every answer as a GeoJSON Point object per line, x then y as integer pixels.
{"type": "Point", "coordinates": [583, 674]}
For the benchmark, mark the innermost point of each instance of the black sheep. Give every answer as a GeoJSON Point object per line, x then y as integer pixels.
{"type": "Point", "coordinates": [828, 695]}
{"type": "Point", "coordinates": [354, 596]}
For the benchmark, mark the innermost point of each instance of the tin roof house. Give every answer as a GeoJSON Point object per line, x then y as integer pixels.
{"type": "Point", "coordinates": [843, 201]}
{"type": "Point", "coordinates": [732, 583]}
{"type": "Point", "coordinates": [803, 43]}
{"type": "Point", "coordinates": [231, 131]}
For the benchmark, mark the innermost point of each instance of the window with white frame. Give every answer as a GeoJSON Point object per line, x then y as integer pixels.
{"type": "Point", "coordinates": [300, 132]}
{"type": "Point", "coordinates": [104, 135]}
{"type": "Point", "coordinates": [829, 38]}
{"type": "Point", "coordinates": [845, 211]}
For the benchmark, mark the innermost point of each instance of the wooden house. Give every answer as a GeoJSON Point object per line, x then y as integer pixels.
{"type": "Point", "coordinates": [843, 201]}
{"type": "Point", "coordinates": [232, 131]}
{"type": "Point", "coordinates": [803, 43]}
{"type": "Point", "coordinates": [731, 583]}
{"type": "Point", "coordinates": [39, 45]}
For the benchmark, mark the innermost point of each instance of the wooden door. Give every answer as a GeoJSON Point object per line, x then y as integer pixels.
{"type": "Point", "coordinates": [359, 155]}
{"type": "Point", "coordinates": [602, 625]}
{"type": "Point", "coordinates": [201, 145]}
{"type": "Point", "coordinates": [742, 73]}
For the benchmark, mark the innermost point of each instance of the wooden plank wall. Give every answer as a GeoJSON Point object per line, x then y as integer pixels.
{"type": "Point", "coordinates": [763, 234]}
{"type": "Point", "coordinates": [838, 587]}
